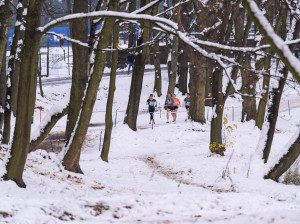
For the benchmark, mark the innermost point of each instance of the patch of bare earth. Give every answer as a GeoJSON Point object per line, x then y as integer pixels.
{"type": "Point", "coordinates": [170, 174]}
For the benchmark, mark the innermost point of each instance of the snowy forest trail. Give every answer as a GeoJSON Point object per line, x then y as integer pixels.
{"type": "Point", "coordinates": [154, 176]}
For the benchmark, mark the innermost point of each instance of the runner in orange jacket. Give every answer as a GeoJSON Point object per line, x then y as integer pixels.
{"type": "Point", "coordinates": [176, 104]}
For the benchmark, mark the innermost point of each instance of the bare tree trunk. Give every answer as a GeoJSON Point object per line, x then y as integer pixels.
{"type": "Point", "coordinates": [198, 67]}
{"type": "Point", "coordinates": [21, 138]}
{"type": "Point", "coordinates": [80, 67]}
{"type": "Point", "coordinates": [14, 69]}
{"type": "Point", "coordinates": [264, 98]}
{"type": "Point", "coordinates": [216, 142]}
{"type": "Point", "coordinates": [71, 159]}
{"type": "Point", "coordinates": [218, 98]}
{"type": "Point", "coordinates": [275, 97]}
{"type": "Point", "coordinates": [132, 27]}
{"type": "Point", "coordinates": [2, 93]}
{"type": "Point", "coordinates": [173, 51]}
{"type": "Point", "coordinates": [5, 18]}
{"type": "Point", "coordinates": [137, 76]}
{"type": "Point", "coordinates": [110, 97]}
{"type": "Point", "coordinates": [286, 161]}
{"type": "Point", "coordinates": [172, 64]}
{"type": "Point", "coordinates": [157, 68]}
{"type": "Point", "coordinates": [183, 72]}
{"type": "Point", "coordinates": [208, 83]}
{"type": "Point", "coordinates": [249, 80]}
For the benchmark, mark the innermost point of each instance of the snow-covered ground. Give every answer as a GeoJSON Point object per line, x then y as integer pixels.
{"type": "Point", "coordinates": [160, 175]}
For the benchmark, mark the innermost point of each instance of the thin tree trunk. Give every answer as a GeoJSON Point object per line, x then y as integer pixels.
{"type": "Point", "coordinates": [218, 98]}
{"type": "Point", "coordinates": [216, 143]}
{"type": "Point", "coordinates": [137, 76]}
{"type": "Point", "coordinates": [157, 68]}
{"type": "Point", "coordinates": [265, 95]}
{"type": "Point", "coordinates": [71, 159]}
{"type": "Point", "coordinates": [5, 18]}
{"type": "Point", "coordinates": [110, 97]}
{"type": "Point", "coordinates": [80, 67]}
{"type": "Point", "coordinates": [29, 55]}
{"type": "Point", "coordinates": [208, 83]}
{"type": "Point", "coordinates": [2, 93]}
{"type": "Point", "coordinates": [40, 82]}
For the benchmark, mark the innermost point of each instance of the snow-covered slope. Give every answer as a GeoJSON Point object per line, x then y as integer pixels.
{"type": "Point", "coordinates": [160, 175]}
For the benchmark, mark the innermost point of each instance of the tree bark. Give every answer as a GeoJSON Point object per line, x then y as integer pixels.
{"type": "Point", "coordinates": [132, 26]}
{"type": "Point", "coordinates": [208, 83]}
{"type": "Point", "coordinates": [172, 64]}
{"type": "Point", "coordinates": [157, 68]}
{"type": "Point", "coordinates": [216, 142]}
{"type": "Point", "coordinates": [183, 72]}
{"type": "Point", "coordinates": [21, 138]}
{"type": "Point", "coordinates": [110, 97]}
{"type": "Point", "coordinates": [249, 80]}
{"type": "Point", "coordinates": [2, 94]}
{"type": "Point", "coordinates": [137, 76]}
{"type": "Point", "coordinates": [80, 67]}
{"type": "Point", "coordinates": [197, 87]}
{"type": "Point", "coordinates": [286, 161]}
{"type": "Point", "coordinates": [71, 159]}
{"type": "Point", "coordinates": [275, 98]}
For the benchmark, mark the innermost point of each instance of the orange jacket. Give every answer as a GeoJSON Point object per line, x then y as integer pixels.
{"type": "Point", "coordinates": [177, 102]}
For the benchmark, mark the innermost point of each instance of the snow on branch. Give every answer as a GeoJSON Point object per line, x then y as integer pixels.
{"type": "Point", "coordinates": [111, 14]}
{"type": "Point", "coordinates": [69, 39]}
{"type": "Point", "coordinates": [146, 7]}
{"type": "Point", "coordinates": [175, 6]}
{"type": "Point", "coordinates": [242, 49]}
{"type": "Point", "coordinates": [277, 44]}
{"type": "Point", "coordinates": [47, 124]}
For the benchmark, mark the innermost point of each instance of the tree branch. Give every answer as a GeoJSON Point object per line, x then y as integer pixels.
{"type": "Point", "coordinates": [45, 130]}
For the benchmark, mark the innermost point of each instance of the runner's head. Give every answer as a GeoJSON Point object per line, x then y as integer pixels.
{"type": "Point", "coordinates": [188, 95]}
{"type": "Point", "coordinates": [169, 95]}
{"type": "Point", "coordinates": [174, 95]}
{"type": "Point", "coordinates": [151, 96]}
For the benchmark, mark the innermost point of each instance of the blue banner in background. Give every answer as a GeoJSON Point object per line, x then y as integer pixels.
{"type": "Point", "coordinates": [54, 41]}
